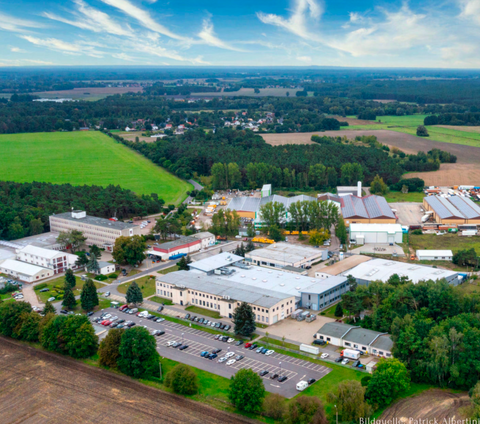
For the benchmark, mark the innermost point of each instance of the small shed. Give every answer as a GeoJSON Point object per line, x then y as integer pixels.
{"type": "Point", "coordinates": [434, 255]}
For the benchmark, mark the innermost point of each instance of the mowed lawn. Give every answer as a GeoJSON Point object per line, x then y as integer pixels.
{"type": "Point", "coordinates": [85, 158]}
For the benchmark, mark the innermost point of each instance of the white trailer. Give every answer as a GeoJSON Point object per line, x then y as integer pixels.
{"type": "Point", "coordinates": [351, 354]}
{"type": "Point", "coordinates": [302, 385]}
{"type": "Point", "coordinates": [310, 349]}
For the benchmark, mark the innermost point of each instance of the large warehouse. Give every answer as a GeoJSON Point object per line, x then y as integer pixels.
{"type": "Point", "coordinates": [366, 210]}
{"type": "Point", "coordinates": [279, 255]}
{"type": "Point", "coordinates": [376, 233]}
{"type": "Point", "coordinates": [382, 270]}
{"type": "Point", "coordinates": [24, 271]}
{"type": "Point", "coordinates": [453, 209]}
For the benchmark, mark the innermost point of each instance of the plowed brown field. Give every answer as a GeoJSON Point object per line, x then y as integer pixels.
{"type": "Point", "coordinates": [41, 387]}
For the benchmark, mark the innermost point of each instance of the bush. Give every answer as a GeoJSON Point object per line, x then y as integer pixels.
{"type": "Point", "coordinates": [101, 277]}
{"type": "Point", "coordinates": [274, 406]}
{"type": "Point", "coordinates": [247, 391]}
{"type": "Point", "coordinates": [417, 232]}
{"type": "Point", "coordinates": [109, 349]}
{"type": "Point", "coordinates": [9, 287]}
{"type": "Point", "coordinates": [182, 380]}
{"type": "Point", "coordinates": [40, 286]}
{"type": "Point", "coordinates": [365, 380]}
{"type": "Point", "coordinates": [113, 276]}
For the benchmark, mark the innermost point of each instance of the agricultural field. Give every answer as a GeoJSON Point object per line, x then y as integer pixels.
{"type": "Point", "coordinates": [249, 92]}
{"type": "Point", "coordinates": [132, 135]}
{"type": "Point", "coordinates": [85, 157]}
{"type": "Point", "coordinates": [87, 93]}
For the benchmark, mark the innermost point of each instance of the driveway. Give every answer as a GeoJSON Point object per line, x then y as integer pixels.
{"type": "Point", "coordinates": [379, 249]}
{"type": "Point", "coordinates": [196, 186]}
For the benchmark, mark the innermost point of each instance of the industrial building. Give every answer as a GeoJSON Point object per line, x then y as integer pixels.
{"type": "Point", "coordinates": [370, 209]}
{"type": "Point", "coordinates": [57, 261]}
{"type": "Point", "coordinates": [187, 245]}
{"type": "Point", "coordinates": [452, 210]}
{"type": "Point", "coordinates": [376, 233]}
{"type": "Point", "coordinates": [207, 239]}
{"type": "Point", "coordinates": [222, 281]}
{"type": "Point", "coordinates": [24, 271]}
{"type": "Point", "coordinates": [434, 255]}
{"type": "Point", "coordinates": [280, 255]}
{"type": "Point", "coordinates": [382, 270]}
{"type": "Point", "coordinates": [357, 338]}
{"type": "Point", "coordinates": [330, 198]}
{"type": "Point", "coordinates": [249, 207]}
{"type": "Point", "coordinates": [99, 231]}
{"type": "Point", "coordinates": [350, 190]}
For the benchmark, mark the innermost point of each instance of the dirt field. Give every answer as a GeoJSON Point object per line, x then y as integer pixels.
{"type": "Point", "coordinates": [433, 404]}
{"type": "Point", "coordinates": [354, 121]}
{"type": "Point", "coordinates": [93, 92]}
{"type": "Point", "coordinates": [40, 387]}
{"type": "Point", "coordinates": [132, 135]}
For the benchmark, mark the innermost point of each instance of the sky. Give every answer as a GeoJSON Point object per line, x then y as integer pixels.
{"type": "Point", "coordinates": [350, 33]}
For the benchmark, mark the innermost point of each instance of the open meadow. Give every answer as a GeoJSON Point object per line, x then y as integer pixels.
{"type": "Point", "coordinates": [87, 93]}
{"type": "Point", "coordinates": [85, 158]}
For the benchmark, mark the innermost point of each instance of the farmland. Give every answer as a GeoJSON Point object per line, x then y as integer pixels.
{"type": "Point", "coordinates": [42, 387]}
{"type": "Point", "coordinates": [81, 158]}
{"type": "Point", "coordinates": [87, 93]}
{"type": "Point", "coordinates": [249, 92]}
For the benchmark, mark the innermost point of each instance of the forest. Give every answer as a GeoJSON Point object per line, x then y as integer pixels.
{"type": "Point", "coordinates": [467, 118]}
{"type": "Point", "coordinates": [250, 162]}
{"type": "Point", "coordinates": [435, 327]}
{"type": "Point", "coordinates": [25, 207]}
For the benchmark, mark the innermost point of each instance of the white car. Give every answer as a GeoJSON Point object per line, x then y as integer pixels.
{"type": "Point", "coordinates": [20, 296]}
{"type": "Point", "coordinates": [230, 340]}
{"type": "Point", "coordinates": [345, 361]}
{"type": "Point", "coordinates": [222, 359]}
{"type": "Point", "coordinates": [269, 352]}
{"type": "Point", "coordinates": [324, 355]}
{"type": "Point", "coordinates": [171, 342]}
{"type": "Point", "coordinates": [229, 354]}
{"type": "Point", "coordinates": [51, 299]}
{"type": "Point", "coordinates": [143, 314]}
{"type": "Point", "coordinates": [113, 319]}
{"type": "Point", "coordinates": [108, 316]}
{"type": "Point", "coordinates": [231, 362]}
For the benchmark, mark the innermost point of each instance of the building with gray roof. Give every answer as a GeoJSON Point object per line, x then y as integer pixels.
{"type": "Point", "coordinates": [356, 338]}
{"type": "Point", "coordinates": [453, 209]}
{"type": "Point", "coordinates": [370, 209]}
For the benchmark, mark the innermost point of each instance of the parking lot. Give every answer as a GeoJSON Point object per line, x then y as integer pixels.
{"type": "Point", "coordinates": [198, 341]}
{"type": "Point", "coordinates": [409, 213]}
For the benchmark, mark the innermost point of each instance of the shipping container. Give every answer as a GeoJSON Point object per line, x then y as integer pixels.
{"type": "Point", "coordinates": [309, 349]}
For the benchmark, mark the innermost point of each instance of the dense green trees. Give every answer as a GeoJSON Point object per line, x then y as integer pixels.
{"type": "Point", "coordinates": [109, 349]}
{"type": "Point", "coordinates": [69, 300]}
{"type": "Point", "coordinates": [134, 294]}
{"type": "Point", "coordinates": [183, 263]}
{"type": "Point", "coordinates": [305, 410]}
{"type": "Point", "coordinates": [225, 222]}
{"type": "Point", "coordinates": [247, 391]}
{"type": "Point", "coordinates": [349, 396]}
{"type": "Point", "coordinates": [138, 354]}
{"type": "Point", "coordinates": [129, 250]}
{"type": "Point", "coordinates": [24, 206]}
{"type": "Point", "coordinates": [182, 380]}
{"type": "Point", "coordinates": [89, 296]}
{"type": "Point", "coordinates": [48, 308]}
{"type": "Point", "coordinates": [244, 320]}
{"type": "Point", "coordinates": [378, 186]}
{"type": "Point", "coordinates": [72, 239]}
{"type": "Point", "coordinates": [10, 313]}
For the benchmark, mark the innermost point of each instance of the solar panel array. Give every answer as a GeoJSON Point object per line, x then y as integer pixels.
{"type": "Point", "coordinates": [454, 207]}
{"type": "Point", "coordinates": [377, 207]}
{"type": "Point", "coordinates": [353, 206]}
{"type": "Point", "coordinates": [366, 207]}
{"type": "Point", "coordinates": [465, 206]}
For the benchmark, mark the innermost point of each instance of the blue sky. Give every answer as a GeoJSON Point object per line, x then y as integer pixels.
{"type": "Point", "coordinates": [438, 34]}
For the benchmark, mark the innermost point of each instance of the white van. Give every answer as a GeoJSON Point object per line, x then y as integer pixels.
{"type": "Point", "coordinates": [302, 385]}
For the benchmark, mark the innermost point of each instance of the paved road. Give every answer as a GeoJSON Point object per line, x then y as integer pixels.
{"type": "Point", "coordinates": [196, 186]}
{"type": "Point", "coordinates": [198, 341]}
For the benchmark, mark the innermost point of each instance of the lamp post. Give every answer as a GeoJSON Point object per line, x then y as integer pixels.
{"type": "Point", "coordinates": [280, 364]}
{"type": "Point", "coordinates": [336, 413]}
{"type": "Point", "coordinates": [182, 337]}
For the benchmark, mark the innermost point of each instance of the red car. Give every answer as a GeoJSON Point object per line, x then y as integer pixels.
{"type": "Point", "coordinates": [107, 322]}
{"type": "Point", "coordinates": [123, 307]}
{"type": "Point", "coordinates": [247, 345]}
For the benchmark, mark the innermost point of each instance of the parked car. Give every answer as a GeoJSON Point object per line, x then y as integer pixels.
{"type": "Point", "coordinates": [160, 319]}
{"type": "Point", "coordinates": [356, 364]}
{"type": "Point", "coordinates": [216, 351]}
{"type": "Point", "coordinates": [239, 357]}
{"type": "Point", "coordinates": [44, 290]}
{"type": "Point", "coordinates": [318, 342]}
{"type": "Point", "coordinates": [239, 343]}
{"type": "Point", "coordinates": [231, 362]}
{"type": "Point", "coordinates": [263, 373]}
{"type": "Point", "coordinates": [324, 355]}
{"type": "Point", "coordinates": [274, 376]}
{"type": "Point", "coordinates": [183, 347]}
{"type": "Point", "coordinates": [51, 299]}
{"type": "Point", "coordinates": [176, 344]}
{"type": "Point", "coordinates": [339, 359]}
{"type": "Point", "coordinates": [259, 349]}
{"type": "Point", "coordinates": [230, 340]}
{"type": "Point", "coordinates": [89, 314]}
{"type": "Point", "coordinates": [253, 346]}
{"type": "Point", "coordinates": [227, 327]}
{"type": "Point", "coordinates": [113, 324]}
{"type": "Point", "coordinates": [229, 354]}
{"type": "Point", "coordinates": [269, 352]}
{"type": "Point", "coordinates": [345, 361]}
{"type": "Point", "coordinates": [311, 381]}
{"type": "Point", "coordinates": [204, 353]}
{"type": "Point", "coordinates": [171, 343]}
{"type": "Point", "coordinates": [212, 356]}
{"type": "Point", "coordinates": [200, 321]}
{"type": "Point", "coordinates": [222, 359]}
{"type": "Point", "coordinates": [107, 294]}
{"type": "Point", "coordinates": [264, 351]}
{"type": "Point", "coordinates": [186, 316]}
{"type": "Point", "coordinates": [282, 378]}
{"type": "Point", "coordinates": [247, 345]}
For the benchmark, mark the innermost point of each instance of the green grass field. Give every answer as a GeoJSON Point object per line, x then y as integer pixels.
{"type": "Point", "coordinates": [146, 284]}
{"type": "Point", "coordinates": [202, 311]}
{"type": "Point", "coordinates": [88, 157]}
{"type": "Point", "coordinates": [398, 196]}
{"type": "Point", "coordinates": [451, 242]}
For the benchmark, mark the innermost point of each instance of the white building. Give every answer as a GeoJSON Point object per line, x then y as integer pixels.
{"type": "Point", "coordinates": [24, 271]}
{"type": "Point", "coordinates": [105, 268]}
{"type": "Point", "coordinates": [57, 261]}
{"type": "Point", "coordinates": [434, 255]}
{"type": "Point", "coordinates": [266, 190]}
{"type": "Point", "coordinates": [279, 255]}
{"type": "Point", "coordinates": [99, 231]}
{"type": "Point", "coordinates": [207, 239]}
{"type": "Point", "coordinates": [376, 233]}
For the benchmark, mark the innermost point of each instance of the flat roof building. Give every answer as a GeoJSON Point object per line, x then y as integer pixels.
{"type": "Point", "coordinates": [376, 233]}
{"type": "Point", "coordinates": [357, 338]}
{"type": "Point", "coordinates": [279, 255]}
{"type": "Point", "coordinates": [100, 231]}
{"type": "Point", "coordinates": [434, 255]}
{"type": "Point", "coordinates": [24, 271]}
{"type": "Point", "coordinates": [452, 210]}
{"type": "Point", "coordinates": [57, 261]}
{"type": "Point", "coordinates": [382, 270]}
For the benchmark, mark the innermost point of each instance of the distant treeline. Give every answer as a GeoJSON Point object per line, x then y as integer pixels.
{"type": "Point", "coordinates": [25, 207]}
{"type": "Point", "coordinates": [469, 119]}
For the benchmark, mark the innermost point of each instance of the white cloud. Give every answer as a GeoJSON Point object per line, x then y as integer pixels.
{"type": "Point", "coordinates": [470, 10]}
{"type": "Point", "coordinates": [10, 23]}
{"type": "Point", "coordinates": [23, 62]}
{"type": "Point", "coordinates": [63, 46]}
{"type": "Point", "coordinates": [17, 50]}
{"type": "Point", "coordinates": [125, 57]}
{"type": "Point", "coordinates": [304, 59]}
{"type": "Point", "coordinates": [93, 20]}
{"type": "Point", "coordinates": [143, 17]}
{"type": "Point", "coordinates": [399, 31]}
{"type": "Point", "coordinates": [208, 36]}
{"type": "Point", "coordinates": [297, 23]}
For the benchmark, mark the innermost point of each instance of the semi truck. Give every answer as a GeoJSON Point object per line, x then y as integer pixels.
{"type": "Point", "coordinates": [351, 354]}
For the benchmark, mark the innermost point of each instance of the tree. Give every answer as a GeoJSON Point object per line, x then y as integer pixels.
{"type": "Point", "coordinates": [475, 400]}
{"type": "Point", "coordinates": [95, 251]}
{"type": "Point", "coordinates": [72, 239]}
{"type": "Point", "coordinates": [48, 308]}
{"type": "Point", "coordinates": [246, 391]}
{"type": "Point", "coordinates": [350, 400]}
{"type": "Point", "coordinates": [70, 280]}
{"type": "Point", "coordinates": [317, 175]}
{"type": "Point", "coordinates": [28, 326]}
{"type": "Point", "coordinates": [275, 233]}
{"type": "Point", "coordinates": [274, 406]}
{"type": "Point", "coordinates": [129, 250]}
{"type": "Point", "coordinates": [250, 247]}
{"type": "Point", "coordinates": [341, 230]}
{"type": "Point", "coordinates": [273, 213]}
{"type": "Point", "coordinates": [182, 380]}
{"type": "Point", "coordinates": [71, 335]}
{"type": "Point", "coordinates": [339, 310]}
{"type": "Point", "coordinates": [89, 296]}
{"type": "Point", "coordinates": [36, 226]}
{"type": "Point", "coordinates": [422, 131]}
{"type": "Point", "coordinates": [244, 320]}
{"type": "Point", "coordinates": [250, 231]}
{"type": "Point", "coordinates": [316, 237]}
{"type": "Point", "coordinates": [390, 380]}
{"type": "Point", "coordinates": [15, 229]}
{"type": "Point", "coordinates": [183, 263]}
{"type": "Point", "coordinates": [93, 266]}
{"type": "Point", "coordinates": [378, 186]}
{"type": "Point", "coordinates": [10, 313]}
{"type": "Point", "coordinates": [404, 189]}
{"type": "Point", "coordinates": [306, 410]}
{"type": "Point", "coordinates": [109, 349]}
{"type": "Point", "coordinates": [138, 354]}
{"type": "Point", "coordinates": [69, 300]}
{"type": "Point", "coordinates": [82, 260]}
{"type": "Point", "coordinates": [134, 294]}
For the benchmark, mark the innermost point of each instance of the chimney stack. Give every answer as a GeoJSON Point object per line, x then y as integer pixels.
{"type": "Point", "coordinates": [359, 189]}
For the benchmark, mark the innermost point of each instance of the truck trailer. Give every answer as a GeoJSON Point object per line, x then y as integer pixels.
{"type": "Point", "coordinates": [351, 354]}
{"type": "Point", "coordinates": [310, 349]}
